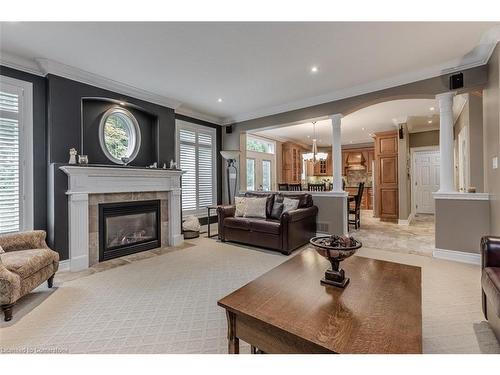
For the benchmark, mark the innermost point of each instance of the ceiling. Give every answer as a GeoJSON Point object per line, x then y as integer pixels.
{"type": "Point", "coordinates": [358, 126]}
{"type": "Point", "coordinates": [255, 68]}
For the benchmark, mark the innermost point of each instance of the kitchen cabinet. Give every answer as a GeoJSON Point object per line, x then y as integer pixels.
{"type": "Point", "coordinates": [386, 177]}
{"type": "Point", "coordinates": [292, 163]}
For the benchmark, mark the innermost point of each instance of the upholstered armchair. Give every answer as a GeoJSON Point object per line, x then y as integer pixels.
{"type": "Point", "coordinates": [25, 263]}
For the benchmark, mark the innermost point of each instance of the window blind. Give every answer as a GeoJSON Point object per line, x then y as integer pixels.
{"type": "Point", "coordinates": [196, 148]}
{"type": "Point", "coordinates": [9, 163]}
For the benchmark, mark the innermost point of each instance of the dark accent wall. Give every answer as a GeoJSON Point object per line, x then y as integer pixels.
{"type": "Point", "coordinates": [65, 98]}
{"type": "Point", "coordinates": [39, 143]}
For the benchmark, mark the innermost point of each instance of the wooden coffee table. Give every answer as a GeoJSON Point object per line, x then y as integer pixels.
{"type": "Point", "coordinates": [287, 310]}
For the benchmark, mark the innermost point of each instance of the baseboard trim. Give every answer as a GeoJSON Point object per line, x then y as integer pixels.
{"type": "Point", "coordinates": [457, 256]}
{"type": "Point", "coordinates": [64, 266]}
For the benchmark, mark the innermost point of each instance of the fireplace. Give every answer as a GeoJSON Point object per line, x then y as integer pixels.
{"type": "Point", "coordinates": [128, 227]}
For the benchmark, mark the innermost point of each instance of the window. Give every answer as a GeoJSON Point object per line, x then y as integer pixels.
{"type": "Point", "coordinates": [196, 156]}
{"type": "Point", "coordinates": [261, 163]}
{"type": "Point", "coordinates": [250, 174]}
{"type": "Point", "coordinates": [266, 175]}
{"type": "Point", "coordinates": [119, 135]}
{"type": "Point", "coordinates": [260, 145]}
{"type": "Point", "coordinates": [16, 155]}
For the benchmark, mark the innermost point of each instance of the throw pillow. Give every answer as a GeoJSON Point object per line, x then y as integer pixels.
{"type": "Point", "coordinates": [277, 210]}
{"type": "Point", "coordinates": [256, 207]}
{"type": "Point", "coordinates": [241, 206]}
{"type": "Point", "coordinates": [290, 204]}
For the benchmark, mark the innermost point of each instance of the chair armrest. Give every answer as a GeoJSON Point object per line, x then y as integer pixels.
{"type": "Point", "coordinates": [34, 239]}
{"type": "Point", "coordinates": [490, 251]}
{"type": "Point", "coordinates": [10, 285]}
{"type": "Point", "coordinates": [299, 214]}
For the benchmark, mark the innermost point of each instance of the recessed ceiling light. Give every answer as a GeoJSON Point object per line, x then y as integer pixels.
{"type": "Point", "coordinates": [429, 122]}
{"type": "Point", "coordinates": [363, 128]}
{"type": "Point", "coordinates": [314, 69]}
{"type": "Point", "coordinates": [308, 136]}
{"type": "Point", "coordinates": [370, 134]}
{"type": "Point", "coordinates": [219, 100]}
{"type": "Point", "coordinates": [432, 108]}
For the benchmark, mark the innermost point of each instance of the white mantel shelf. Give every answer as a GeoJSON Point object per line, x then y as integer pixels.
{"type": "Point", "coordinates": [85, 180]}
{"type": "Point", "coordinates": [96, 179]}
{"type": "Point", "coordinates": [462, 196]}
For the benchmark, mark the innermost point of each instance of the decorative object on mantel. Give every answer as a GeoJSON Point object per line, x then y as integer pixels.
{"type": "Point", "coordinates": [472, 189]}
{"type": "Point", "coordinates": [164, 166]}
{"type": "Point", "coordinates": [231, 171]}
{"type": "Point", "coordinates": [314, 155]}
{"type": "Point", "coordinates": [173, 164]}
{"type": "Point", "coordinates": [335, 249]}
{"type": "Point", "coordinates": [125, 160]}
{"type": "Point", "coordinates": [72, 156]}
{"type": "Point", "coordinates": [154, 165]}
{"type": "Point", "coordinates": [83, 159]}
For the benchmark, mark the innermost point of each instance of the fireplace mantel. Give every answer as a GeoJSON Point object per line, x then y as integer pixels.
{"type": "Point", "coordinates": [85, 180]}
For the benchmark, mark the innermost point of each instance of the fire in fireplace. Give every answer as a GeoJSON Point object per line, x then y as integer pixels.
{"type": "Point", "coordinates": [128, 227]}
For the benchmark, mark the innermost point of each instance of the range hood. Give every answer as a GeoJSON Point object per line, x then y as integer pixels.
{"type": "Point", "coordinates": [355, 161]}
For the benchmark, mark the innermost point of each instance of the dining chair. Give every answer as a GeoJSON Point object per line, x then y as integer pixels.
{"type": "Point", "coordinates": [356, 210]}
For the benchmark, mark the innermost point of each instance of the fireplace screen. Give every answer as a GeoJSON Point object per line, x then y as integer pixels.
{"type": "Point", "coordinates": [128, 227]}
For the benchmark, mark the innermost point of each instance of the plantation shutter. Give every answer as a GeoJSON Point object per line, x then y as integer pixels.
{"type": "Point", "coordinates": [196, 146]}
{"type": "Point", "coordinates": [9, 162]}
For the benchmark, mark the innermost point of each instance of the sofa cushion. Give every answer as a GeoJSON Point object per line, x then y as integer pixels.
{"type": "Point", "coordinates": [265, 226]}
{"type": "Point", "coordinates": [277, 210]}
{"type": "Point", "coordinates": [263, 194]}
{"type": "Point", "coordinates": [27, 262]}
{"type": "Point", "coordinates": [240, 206]}
{"type": "Point", "coordinates": [490, 281]}
{"type": "Point", "coordinates": [305, 199]}
{"type": "Point", "coordinates": [256, 207]}
{"type": "Point", "coordinates": [237, 223]}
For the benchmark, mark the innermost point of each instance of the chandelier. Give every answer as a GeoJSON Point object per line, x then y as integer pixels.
{"type": "Point", "coordinates": [314, 155]}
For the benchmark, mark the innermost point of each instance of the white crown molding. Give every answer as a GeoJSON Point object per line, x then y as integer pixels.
{"type": "Point", "coordinates": [42, 67]}
{"type": "Point", "coordinates": [478, 57]}
{"type": "Point", "coordinates": [53, 67]}
{"type": "Point", "coordinates": [182, 110]}
{"type": "Point", "coordinates": [20, 63]}
{"type": "Point", "coordinates": [457, 256]}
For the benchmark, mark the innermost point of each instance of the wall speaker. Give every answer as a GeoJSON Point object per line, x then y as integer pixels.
{"type": "Point", "coordinates": [229, 129]}
{"type": "Point", "coordinates": [456, 81]}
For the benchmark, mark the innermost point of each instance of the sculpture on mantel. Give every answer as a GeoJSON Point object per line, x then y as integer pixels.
{"type": "Point", "coordinates": [72, 156]}
{"type": "Point", "coordinates": [173, 164]}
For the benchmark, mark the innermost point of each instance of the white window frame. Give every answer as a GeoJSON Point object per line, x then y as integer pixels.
{"type": "Point", "coordinates": [184, 125]}
{"type": "Point", "coordinates": [25, 122]}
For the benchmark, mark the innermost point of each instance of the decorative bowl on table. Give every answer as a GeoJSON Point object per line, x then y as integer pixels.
{"type": "Point", "coordinates": [335, 249]}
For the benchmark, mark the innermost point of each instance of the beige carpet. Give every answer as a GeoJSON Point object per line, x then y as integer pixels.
{"type": "Point", "coordinates": [167, 304]}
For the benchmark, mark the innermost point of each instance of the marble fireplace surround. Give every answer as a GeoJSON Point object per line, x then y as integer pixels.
{"type": "Point", "coordinates": [90, 185]}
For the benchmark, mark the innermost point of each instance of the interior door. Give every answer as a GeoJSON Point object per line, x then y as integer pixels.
{"type": "Point", "coordinates": [426, 180]}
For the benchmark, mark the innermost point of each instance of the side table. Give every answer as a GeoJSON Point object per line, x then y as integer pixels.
{"type": "Point", "coordinates": [208, 220]}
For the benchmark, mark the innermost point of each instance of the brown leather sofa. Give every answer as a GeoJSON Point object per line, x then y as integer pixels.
{"type": "Point", "coordinates": [293, 230]}
{"type": "Point", "coordinates": [490, 281]}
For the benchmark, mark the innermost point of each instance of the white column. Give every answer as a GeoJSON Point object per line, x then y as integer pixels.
{"type": "Point", "coordinates": [78, 225]}
{"type": "Point", "coordinates": [336, 153]}
{"type": "Point", "coordinates": [176, 238]}
{"type": "Point", "coordinates": [446, 179]}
